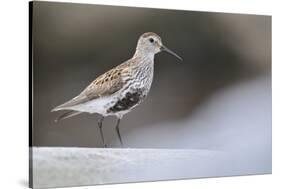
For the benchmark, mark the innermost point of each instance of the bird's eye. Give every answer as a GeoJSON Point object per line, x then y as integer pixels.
{"type": "Point", "coordinates": [151, 40]}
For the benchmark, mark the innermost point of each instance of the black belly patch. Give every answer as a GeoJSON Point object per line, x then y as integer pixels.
{"type": "Point", "coordinates": [130, 100]}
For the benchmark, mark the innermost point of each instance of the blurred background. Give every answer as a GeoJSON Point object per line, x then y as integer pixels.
{"type": "Point", "coordinates": [218, 98]}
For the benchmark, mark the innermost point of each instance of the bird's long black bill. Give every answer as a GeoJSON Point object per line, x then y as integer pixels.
{"type": "Point", "coordinates": [164, 48]}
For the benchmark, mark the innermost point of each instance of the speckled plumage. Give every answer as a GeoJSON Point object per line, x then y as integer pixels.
{"type": "Point", "coordinates": [122, 88]}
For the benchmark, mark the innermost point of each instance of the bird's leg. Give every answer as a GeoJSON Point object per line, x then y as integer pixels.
{"type": "Point", "coordinates": [100, 128]}
{"type": "Point", "coordinates": [118, 132]}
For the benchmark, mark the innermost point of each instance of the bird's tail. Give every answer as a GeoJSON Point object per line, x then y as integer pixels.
{"type": "Point", "coordinates": [68, 114]}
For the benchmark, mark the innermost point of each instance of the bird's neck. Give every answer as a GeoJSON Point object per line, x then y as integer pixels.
{"type": "Point", "coordinates": [143, 55]}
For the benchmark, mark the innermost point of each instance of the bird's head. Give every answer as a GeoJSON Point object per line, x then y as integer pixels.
{"type": "Point", "coordinates": [150, 44]}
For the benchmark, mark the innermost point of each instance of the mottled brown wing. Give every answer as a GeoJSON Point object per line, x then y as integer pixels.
{"type": "Point", "coordinates": [104, 85]}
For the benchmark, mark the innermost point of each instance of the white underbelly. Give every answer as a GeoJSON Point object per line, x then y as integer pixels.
{"type": "Point", "coordinates": [99, 105]}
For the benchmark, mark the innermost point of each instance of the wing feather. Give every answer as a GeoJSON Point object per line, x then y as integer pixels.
{"type": "Point", "coordinates": [105, 85]}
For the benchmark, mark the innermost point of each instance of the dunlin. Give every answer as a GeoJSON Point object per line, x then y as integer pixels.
{"type": "Point", "coordinates": [120, 89]}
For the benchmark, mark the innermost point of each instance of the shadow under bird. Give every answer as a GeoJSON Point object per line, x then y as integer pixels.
{"type": "Point", "coordinates": [120, 89]}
